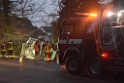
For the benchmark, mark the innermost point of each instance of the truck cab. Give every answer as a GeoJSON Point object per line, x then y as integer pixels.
{"type": "Point", "coordinates": [93, 41]}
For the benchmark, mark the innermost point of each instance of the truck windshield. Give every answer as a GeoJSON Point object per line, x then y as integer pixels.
{"type": "Point", "coordinates": [119, 4]}
{"type": "Point", "coordinates": [115, 16]}
{"type": "Point", "coordinates": [68, 29]}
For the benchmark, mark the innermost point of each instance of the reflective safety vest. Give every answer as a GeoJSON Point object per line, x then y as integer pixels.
{"type": "Point", "coordinates": [47, 59]}
{"type": "Point", "coordinates": [48, 49]}
{"type": "Point", "coordinates": [3, 47]}
{"type": "Point", "coordinates": [10, 46]}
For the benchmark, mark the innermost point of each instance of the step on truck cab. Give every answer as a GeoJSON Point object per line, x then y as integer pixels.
{"type": "Point", "coordinates": [93, 41]}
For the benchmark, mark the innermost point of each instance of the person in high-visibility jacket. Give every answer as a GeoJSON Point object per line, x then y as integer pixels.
{"type": "Point", "coordinates": [3, 49]}
{"type": "Point", "coordinates": [10, 47]}
{"type": "Point", "coordinates": [37, 50]}
{"type": "Point", "coordinates": [48, 49]}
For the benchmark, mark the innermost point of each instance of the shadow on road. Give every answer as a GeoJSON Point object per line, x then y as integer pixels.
{"type": "Point", "coordinates": [108, 78]}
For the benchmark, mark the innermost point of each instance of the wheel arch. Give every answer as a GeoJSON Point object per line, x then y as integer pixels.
{"type": "Point", "coordinates": [72, 51]}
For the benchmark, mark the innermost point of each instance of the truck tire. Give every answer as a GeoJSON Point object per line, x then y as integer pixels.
{"type": "Point", "coordinates": [73, 65]}
{"type": "Point", "coordinates": [95, 68]}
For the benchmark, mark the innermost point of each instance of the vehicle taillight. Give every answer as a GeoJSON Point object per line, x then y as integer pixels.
{"type": "Point", "coordinates": [104, 55]}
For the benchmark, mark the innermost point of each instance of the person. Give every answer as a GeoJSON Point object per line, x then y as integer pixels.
{"type": "Point", "coordinates": [37, 50]}
{"type": "Point", "coordinates": [41, 50]}
{"type": "Point", "coordinates": [3, 49]}
{"type": "Point", "coordinates": [48, 49]}
{"type": "Point", "coordinates": [55, 52]}
{"type": "Point", "coordinates": [10, 47]}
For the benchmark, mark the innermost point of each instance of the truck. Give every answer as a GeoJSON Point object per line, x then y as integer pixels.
{"type": "Point", "coordinates": [93, 41]}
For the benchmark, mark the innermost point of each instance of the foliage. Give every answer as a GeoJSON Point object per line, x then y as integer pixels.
{"type": "Point", "coordinates": [69, 8]}
{"type": "Point", "coordinates": [55, 32]}
{"type": "Point", "coordinates": [19, 31]}
{"type": "Point", "coordinates": [5, 7]}
{"type": "Point", "coordinates": [25, 8]}
{"type": "Point", "coordinates": [16, 28]}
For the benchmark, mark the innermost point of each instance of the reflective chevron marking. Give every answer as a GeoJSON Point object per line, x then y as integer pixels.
{"type": "Point", "coordinates": [70, 41]}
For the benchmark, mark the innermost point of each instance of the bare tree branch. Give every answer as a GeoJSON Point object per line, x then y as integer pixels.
{"type": "Point", "coordinates": [25, 8]}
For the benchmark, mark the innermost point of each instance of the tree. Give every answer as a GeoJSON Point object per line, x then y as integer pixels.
{"type": "Point", "coordinates": [5, 12]}
{"type": "Point", "coordinates": [19, 8]}
{"type": "Point", "coordinates": [68, 8]}
{"type": "Point", "coordinates": [5, 7]}
{"type": "Point", "coordinates": [25, 8]}
{"type": "Point", "coordinates": [55, 31]}
{"type": "Point", "coordinates": [54, 20]}
{"type": "Point", "coordinates": [0, 7]}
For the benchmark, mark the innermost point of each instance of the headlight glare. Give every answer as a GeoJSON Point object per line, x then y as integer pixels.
{"type": "Point", "coordinates": [109, 14]}
{"type": "Point", "coordinates": [119, 14]}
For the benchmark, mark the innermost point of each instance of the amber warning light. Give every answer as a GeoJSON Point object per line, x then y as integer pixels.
{"type": "Point", "coordinates": [93, 15]}
{"type": "Point", "coordinates": [87, 14]}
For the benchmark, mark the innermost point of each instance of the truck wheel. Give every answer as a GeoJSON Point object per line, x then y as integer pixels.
{"type": "Point", "coordinates": [73, 65]}
{"type": "Point", "coordinates": [95, 68]}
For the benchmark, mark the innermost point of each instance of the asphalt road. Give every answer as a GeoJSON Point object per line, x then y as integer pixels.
{"type": "Point", "coordinates": [41, 72]}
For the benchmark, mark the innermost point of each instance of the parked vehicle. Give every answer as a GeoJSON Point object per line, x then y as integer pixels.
{"type": "Point", "coordinates": [93, 42]}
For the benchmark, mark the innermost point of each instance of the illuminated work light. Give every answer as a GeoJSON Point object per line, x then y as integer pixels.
{"type": "Point", "coordinates": [93, 15]}
{"type": "Point", "coordinates": [86, 14]}
{"type": "Point", "coordinates": [109, 14]}
{"type": "Point", "coordinates": [119, 14]}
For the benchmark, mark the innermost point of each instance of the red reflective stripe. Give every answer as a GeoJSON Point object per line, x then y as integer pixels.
{"type": "Point", "coordinates": [36, 47]}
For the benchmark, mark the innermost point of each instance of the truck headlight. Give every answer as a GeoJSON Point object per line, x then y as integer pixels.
{"type": "Point", "coordinates": [119, 14]}
{"type": "Point", "coordinates": [110, 14]}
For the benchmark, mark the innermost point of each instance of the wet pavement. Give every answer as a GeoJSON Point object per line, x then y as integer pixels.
{"type": "Point", "coordinates": [11, 71]}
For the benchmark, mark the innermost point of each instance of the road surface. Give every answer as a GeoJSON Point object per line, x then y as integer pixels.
{"type": "Point", "coordinates": [41, 72]}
